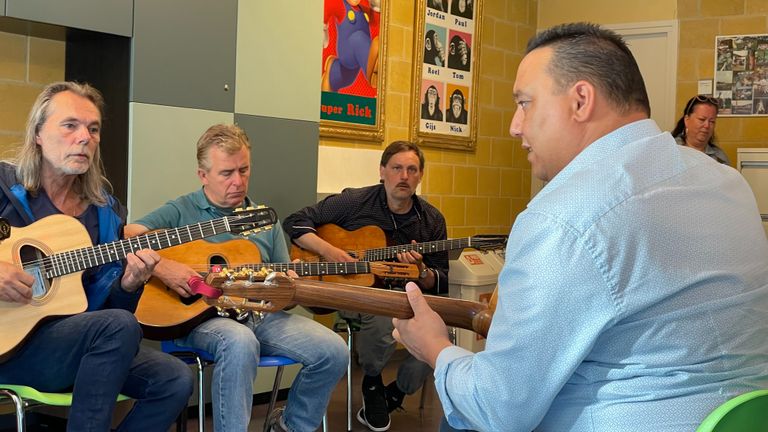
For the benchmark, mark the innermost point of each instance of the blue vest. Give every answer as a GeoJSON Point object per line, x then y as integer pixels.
{"type": "Point", "coordinates": [97, 284]}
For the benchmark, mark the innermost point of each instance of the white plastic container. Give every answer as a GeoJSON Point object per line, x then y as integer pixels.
{"type": "Point", "coordinates": [473, 276]}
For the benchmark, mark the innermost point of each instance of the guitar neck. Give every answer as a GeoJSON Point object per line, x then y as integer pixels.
{"type": "Point", "coordinates": [390, 252]}
{"type": "Point", "coordinates": [455, 312]}
{"type": "Point", "coordinates": [84, 258]}
{"type": "Point", "coordinates": [315, 268]}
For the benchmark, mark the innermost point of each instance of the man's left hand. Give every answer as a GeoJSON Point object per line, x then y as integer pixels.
{"type": "Point", "coordinates": [425, 335]}
{"type": "Point", "coordinates": [138, 269]}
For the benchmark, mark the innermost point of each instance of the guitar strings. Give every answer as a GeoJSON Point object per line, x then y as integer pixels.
{"type": "Point", "coordinates": [75, 260]}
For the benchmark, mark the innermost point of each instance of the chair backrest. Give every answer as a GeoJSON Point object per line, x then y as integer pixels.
{"type": "Point", "coordinates": [746, 412]}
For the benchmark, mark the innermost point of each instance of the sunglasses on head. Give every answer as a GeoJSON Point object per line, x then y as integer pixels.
{"type": "Point", "coordinates": [700, 99]}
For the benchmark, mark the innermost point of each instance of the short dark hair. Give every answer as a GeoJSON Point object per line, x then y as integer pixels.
{"type": "Point", "coordinates": [585, 51]}
{"type": "Point", "coordinates": [399, 147]}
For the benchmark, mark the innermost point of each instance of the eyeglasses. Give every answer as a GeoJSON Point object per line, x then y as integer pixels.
{"type": "Point", "coordinates": [700, 99]}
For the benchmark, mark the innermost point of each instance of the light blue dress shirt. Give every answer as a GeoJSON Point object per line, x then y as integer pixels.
{"type": "Point", "coordinates": [634, 297]}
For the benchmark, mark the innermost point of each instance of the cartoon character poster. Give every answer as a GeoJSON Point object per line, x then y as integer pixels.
{"type": "Point", "coordinates": [445, 71]}
{"type": "Point", "coordinates": [352, 62]}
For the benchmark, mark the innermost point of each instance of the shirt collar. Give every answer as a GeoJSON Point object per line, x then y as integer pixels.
{"type": "Point", "coordinates": [605, 146]}
{"type": "Point", "coordinates": [201, 201]}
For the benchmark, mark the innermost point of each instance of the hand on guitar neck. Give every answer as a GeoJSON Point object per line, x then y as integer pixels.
{"type": "Point", "coordinates": [425, 335]}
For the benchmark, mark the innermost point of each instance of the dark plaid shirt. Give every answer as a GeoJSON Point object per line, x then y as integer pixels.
{"type": "Point", "coordinates": [355, 208]}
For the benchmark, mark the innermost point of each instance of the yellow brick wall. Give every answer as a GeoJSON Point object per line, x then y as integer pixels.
{"type": "Point", "coordinates": [30, 57]}
{"type": "Point", "coordinates": [481, 191]}
{"type": "Point", "coordinates": [700, 22]}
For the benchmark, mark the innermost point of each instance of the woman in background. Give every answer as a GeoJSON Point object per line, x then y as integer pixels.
{"type": "Point", "coordinates": [696, 128]}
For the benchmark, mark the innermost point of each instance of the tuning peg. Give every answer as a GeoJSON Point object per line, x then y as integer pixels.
{"type": "Point", "coordinates": [241, 314]}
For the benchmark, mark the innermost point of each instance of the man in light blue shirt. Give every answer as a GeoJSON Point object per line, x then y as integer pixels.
{"type": "Point", "coordinates": [634, 296]}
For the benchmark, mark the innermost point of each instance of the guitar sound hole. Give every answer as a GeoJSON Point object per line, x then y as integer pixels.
{"type": "Point", "coordinates": [217, 260]}
{"type": "Point", "coordinates": [214, 260]}
{"type": "Point", "coordinates": [191, 299]}
{"type": "Point", "coordinates": [31, 261]}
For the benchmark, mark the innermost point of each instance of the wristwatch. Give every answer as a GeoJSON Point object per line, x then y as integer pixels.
{"type": "Point", "coordinates": [424, 272]}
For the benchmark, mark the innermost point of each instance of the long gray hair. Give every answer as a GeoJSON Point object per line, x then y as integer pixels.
{"type": "Point", "coordinates": [91, 185]}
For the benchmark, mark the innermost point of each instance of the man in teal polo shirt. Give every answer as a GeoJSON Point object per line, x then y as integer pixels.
{"type": "Point", "coordinates": [224, 165]}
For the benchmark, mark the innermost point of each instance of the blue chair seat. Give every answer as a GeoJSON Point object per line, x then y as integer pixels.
{"type": "Point", "coordinates": [201, 359]}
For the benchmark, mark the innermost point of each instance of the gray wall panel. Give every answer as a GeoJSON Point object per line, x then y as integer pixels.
{"type": "Point", "coordinates": [284, 155]}
{"type": "Point", "coordinates": [163, 155]}
{"type": "Point", "coordinates": [105, 16]}
{"type": "Point", "coordinates": [184, 53]}
{"type": "Point", "coordinates": [2, 7]}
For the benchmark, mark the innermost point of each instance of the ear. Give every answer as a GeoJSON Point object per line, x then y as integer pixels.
{"type": "Point", "coordinates": [381, 173]}
{"type": "Point", "coordinates": [583, 100]}
{"type": "Point", "coordinates": [202, 175]}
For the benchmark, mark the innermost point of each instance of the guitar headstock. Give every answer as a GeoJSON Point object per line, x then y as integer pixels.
{"type": "Point", "coordinates": [252, 290]}
{"type": "Point", "coordinates": [252, 220]}
{"type": "Point", "coordinates": [488, 242]}
{"type": "Point", "coordinates": [395, 270]}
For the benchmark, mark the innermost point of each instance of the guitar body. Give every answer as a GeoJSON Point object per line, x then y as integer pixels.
{"type": "Point", "coordinates": [162, 313]}
{"type": "Point", "coordinates": [361, 239]}
{"type": "Point", "coordinates": [64, 295]}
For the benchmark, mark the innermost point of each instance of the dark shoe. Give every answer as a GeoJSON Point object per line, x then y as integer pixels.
{"type": "Point", "coordinates": [394, 396]}
{"type": "Point", "coordinates": [275, 421]}
{"type": "Point", "coordinates": [374, 412]}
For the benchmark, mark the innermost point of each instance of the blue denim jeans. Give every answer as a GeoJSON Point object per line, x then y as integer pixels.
{"type": "Point", "coordinates": [236, 349]}
{"type": "Point", "coordinates": [96, 355]}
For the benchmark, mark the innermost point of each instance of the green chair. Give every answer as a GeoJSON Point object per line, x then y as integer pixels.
{"type": "Point", "coordinates": [744, 413]}
{"type": "Point", "coordinates": [24, 398]}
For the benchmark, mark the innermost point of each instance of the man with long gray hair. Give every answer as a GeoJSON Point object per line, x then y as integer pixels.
{"type": "Point", "coordinates": [95, 354]}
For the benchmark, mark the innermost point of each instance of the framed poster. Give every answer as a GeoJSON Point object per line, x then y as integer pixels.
{"type": "Point", "coordinates": [353, 69]}
{"type": "Point", "coordinates": [445, 76]}
{"type": "Point", "coordinates": [741, 75]}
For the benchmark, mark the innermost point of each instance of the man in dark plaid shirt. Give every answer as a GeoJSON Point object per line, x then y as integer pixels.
{"type": "Point", "coordinates": [404, 217]}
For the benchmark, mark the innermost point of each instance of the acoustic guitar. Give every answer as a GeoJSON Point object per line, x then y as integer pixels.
{"type": "Point", "coordinates": [275, 292]}
{"type": "Point", "coordinates": [57, 249]}
{"type": "Point", "coordinates": [163, 314]}
{"type": "Point", "coordinates": [369, 243]}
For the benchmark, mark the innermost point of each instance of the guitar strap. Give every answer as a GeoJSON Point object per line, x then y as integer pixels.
{"type": "Point", "coordinates": [17, 195]}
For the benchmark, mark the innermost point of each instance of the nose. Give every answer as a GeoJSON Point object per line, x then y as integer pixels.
{"type": "Point", "coordinates": [83, 135]}
{"type": "Point", "coordinates": [516, 126]}
{"type": "Point", "coordinates": [237, 179]}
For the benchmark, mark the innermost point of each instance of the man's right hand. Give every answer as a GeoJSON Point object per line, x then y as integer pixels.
{"type": "Point", "coordinates": [15, 284]}
{"type": "Point", "coordinates": [175, 275]}
{"type": "Point", "coordinates": [334, 254]}
{"type": "Point", "coordinates": [312, 242]}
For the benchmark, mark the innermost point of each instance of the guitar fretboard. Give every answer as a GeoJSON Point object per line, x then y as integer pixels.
{"type": "Point", "coordinates": [315, 268]}
{"type": "Point", "coordinates": [390, 252]}
{"type": "Point", "coordinates": [81, 259]}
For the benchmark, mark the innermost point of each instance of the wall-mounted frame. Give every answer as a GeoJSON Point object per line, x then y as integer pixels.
{"type": "Point", "coordinates": [446, 73]}
{"type": "Point", "coordinates": [354, 69]}
{"type": "Point", "coordinates": [741, 75]}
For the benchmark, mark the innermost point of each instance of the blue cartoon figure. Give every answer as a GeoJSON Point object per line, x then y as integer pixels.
{"type": "Point", "coordinates": [357, 50]}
